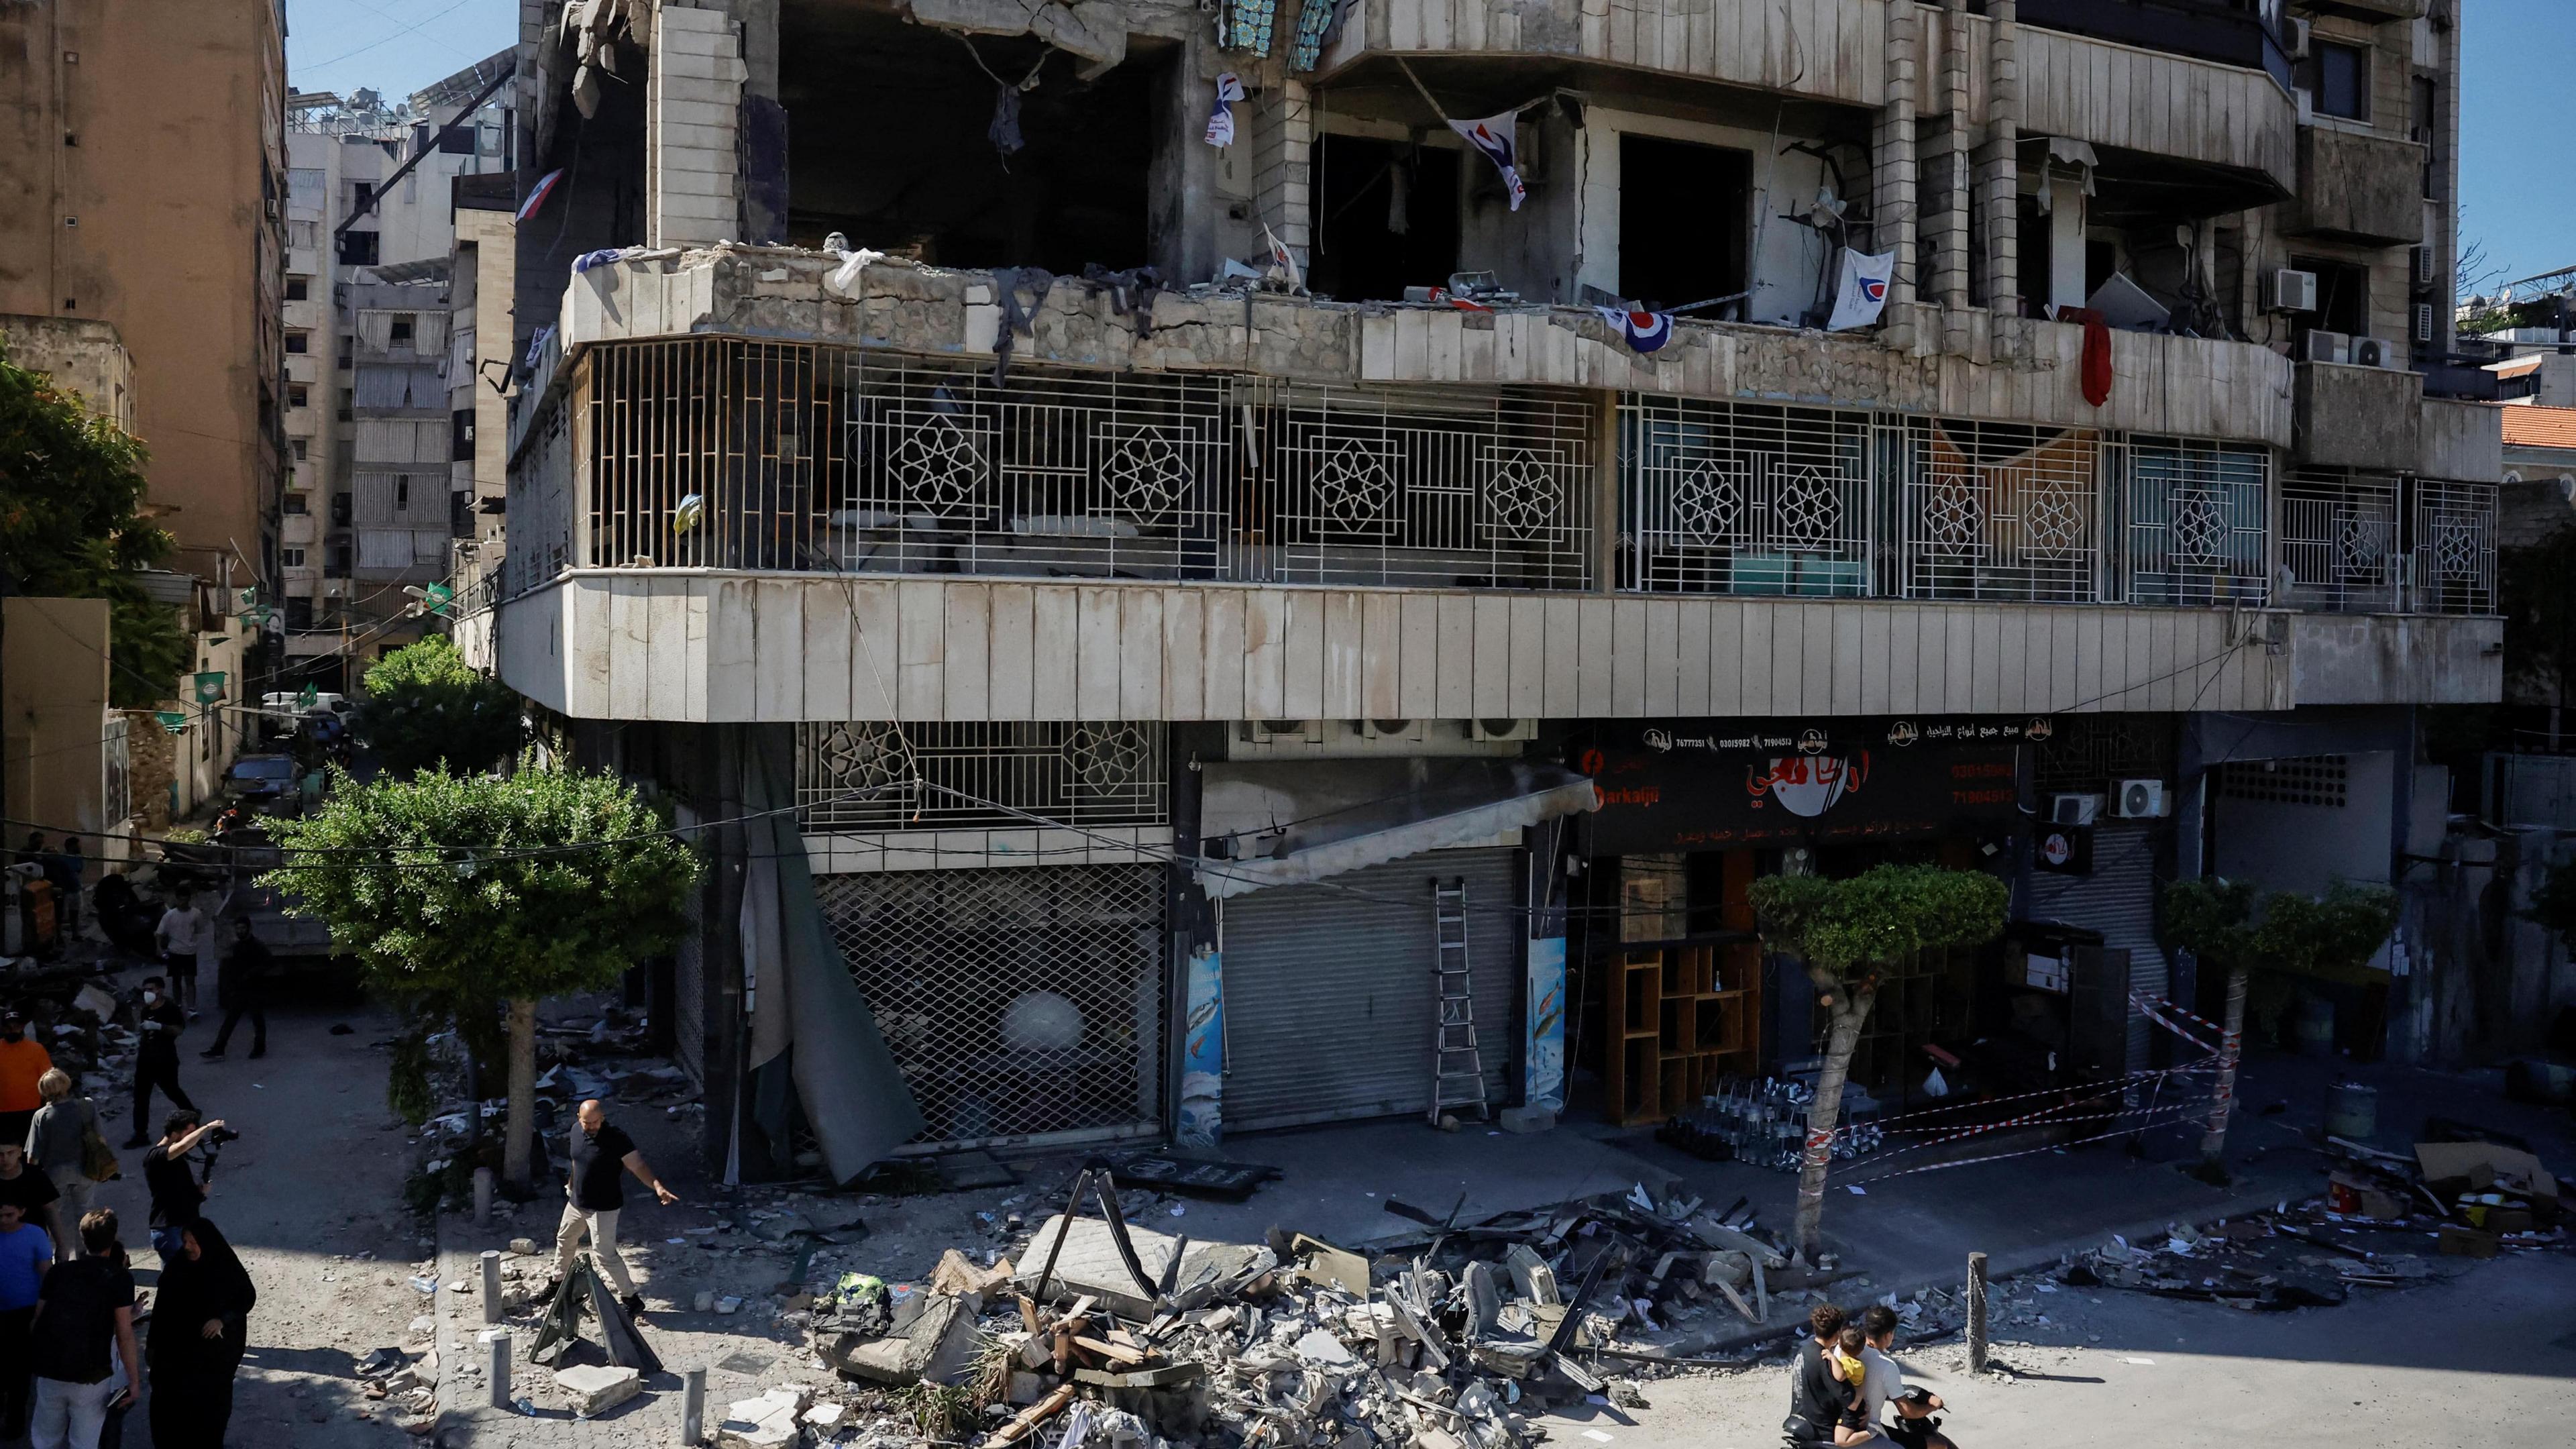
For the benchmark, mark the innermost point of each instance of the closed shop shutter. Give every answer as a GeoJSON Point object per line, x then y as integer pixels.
{"type": "Point", "coordinates": [2119, 900]}
{"type": "Point", "coordinates": [1329, 990]}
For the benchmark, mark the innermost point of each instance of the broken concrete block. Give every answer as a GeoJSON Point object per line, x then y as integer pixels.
{"type": "Point", "coordinates": [767, 1422]}
{"type": "Point", "coordinates": [939, 1346]}
{"type": "Point", "coordinates": [1526, 1119]}
{"type": "Point", "coordinates": [704, 1302]}
{"type": "Point", "coordinates": [957, 1273]}
{"type": "Point", "coordinates": [1532, 1278]}
{"type": "Point", "coordinates": [1090, 1265]}
{"type": "Point", "coordinates": [824, 1418]}
{"type": "Point", "coordinates": [598, 1388]}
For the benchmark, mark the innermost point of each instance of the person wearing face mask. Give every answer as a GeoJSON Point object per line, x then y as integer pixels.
{"type": "Point", "coordinates": [156, 1063]}
{"type": "Point", "coordinates": [23, 1063]}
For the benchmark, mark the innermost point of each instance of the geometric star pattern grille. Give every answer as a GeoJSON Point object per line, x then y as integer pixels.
{"type": "Point", "coordinates": [865, 761]}
{"type": "Point", "coordinates": [1708, 503]}
{"type": "Point", "coordinates": [2053, 523]}
{"type": "Point", "coordinates": [1808, 512]}
{"type": "Point", "coordinates": [2198, 531]}
{"type": "Point", "coordinates": [937, 465]}
{"type": "Point", "coordinates": [1016, 1001]}
{"type": "Point", "coordinates": [2363, 544]}
{"type": "Point", "coordinates": [1144, 473]}
{"type": "Point", "coordinates": [1954, 517]}
{"type": "Point", "coordinates": [1354, 487]}
{"type": "Point", "coordinates": [1520, 491]}
{"type": "Point", "coordinates": [2457, 540]}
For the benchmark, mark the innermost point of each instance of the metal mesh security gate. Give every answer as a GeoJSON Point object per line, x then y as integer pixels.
{"type": "Point", "coordinates": [1020, 1004]}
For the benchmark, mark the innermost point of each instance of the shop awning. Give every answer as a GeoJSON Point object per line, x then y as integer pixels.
{"type": "Point", "coordinates": [1272, 823]}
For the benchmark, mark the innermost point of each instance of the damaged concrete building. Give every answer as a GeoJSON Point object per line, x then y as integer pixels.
{"type": "Point", "coordinates": [1247, 532]}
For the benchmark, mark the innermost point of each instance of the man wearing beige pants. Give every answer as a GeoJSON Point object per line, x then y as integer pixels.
{"type": "Point", "coordinates": [595, 1194]}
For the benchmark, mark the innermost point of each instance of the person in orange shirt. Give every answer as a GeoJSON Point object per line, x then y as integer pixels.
{"type": "Point", "coordinates": [23, 1062]}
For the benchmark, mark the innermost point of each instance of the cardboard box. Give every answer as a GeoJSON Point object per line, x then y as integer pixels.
{"type": "Point", "coordinates": [2460, 1242]}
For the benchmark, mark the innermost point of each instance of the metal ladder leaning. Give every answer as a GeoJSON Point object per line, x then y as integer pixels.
{"type": "Point", "coordinates": [1457, 1067]}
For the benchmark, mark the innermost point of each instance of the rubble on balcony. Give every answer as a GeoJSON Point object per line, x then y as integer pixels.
{"type": "Point", "coordinates": [2018, 370]}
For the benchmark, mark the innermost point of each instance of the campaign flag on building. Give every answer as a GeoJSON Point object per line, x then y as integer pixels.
{"type": "Point", "coordinates": [537, 194]}
{"type": "Point", "coordinates": [1864, 290]}
{"type": "Point", "coordinates": [1497, 138]}
{"type": "Point", "coordinates": [1220, 125]}
{"type": "Point", "coordinates": [1645, 331]}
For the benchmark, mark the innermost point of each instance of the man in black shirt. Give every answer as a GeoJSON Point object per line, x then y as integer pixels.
{"type": "Point", "coordinates": [156, 1062]}
{"type": "Point", "coordinates": [596, 1193]}
{"type": "Point", "coordinates": [34, 1192]}
{"type": "Point", "coordinates": [84, 1306]}
{"type": "Point", "coordinates": [241, 985]}
{"type": "Point", "coordinates": [176, 1193]}
{"type": "Point", "coordinates": [1816, 1400]}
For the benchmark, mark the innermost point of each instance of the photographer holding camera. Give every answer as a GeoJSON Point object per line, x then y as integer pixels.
{"type": "Point", "coordinates": [177, 1193]}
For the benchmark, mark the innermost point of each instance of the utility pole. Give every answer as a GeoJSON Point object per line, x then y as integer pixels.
{"type": "Point", "coordinates": [2222, 1093]}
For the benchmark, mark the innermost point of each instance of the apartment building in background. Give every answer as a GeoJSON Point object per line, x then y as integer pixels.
{"type": "Point", "coordinates": [163, 224]}
{"type": "Point", "coordinates": [1565, 464]}
{"type": "Point", "coordinates": [373, 368]}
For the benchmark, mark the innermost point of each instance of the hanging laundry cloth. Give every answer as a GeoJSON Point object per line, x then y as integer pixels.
{"type": "Point", "coordinates": [1246, 25]}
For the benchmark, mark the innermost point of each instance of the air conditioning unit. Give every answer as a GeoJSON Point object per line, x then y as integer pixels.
{"type": "Point", "coordinates": [1495, 731]}
{"type": "Point", "coordinates": [2139, 800]}
{"type": "Point", "coordinates": [1383, 729]}
{"type": "Point", "coordinates": [2377, 352]}
{"type": "Point", "coordinates": [2424, 323]}
{"type": "Point", "coordinates": [2074, 809]}
{"type": "Point", "coordinates": [1269, 731]}
{"type": "Point", "coordinates": [2318, 345]}
{"type": "Point", "coordinates": [2294, 38]}
{"type": "Point", "coordinates": [2290, 290]}
{"type": "Point", "coordinates": [2424, 268]}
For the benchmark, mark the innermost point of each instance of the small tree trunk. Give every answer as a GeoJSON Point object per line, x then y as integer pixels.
{"type": "Point", "coordinates": [2222, 1095]}
{"type": "Point", "coordinates": [1823, 1113]}
{"type": "Point", "coordinates": [515, 1154]}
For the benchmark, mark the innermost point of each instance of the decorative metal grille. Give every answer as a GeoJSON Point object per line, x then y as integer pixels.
{"type": "Point", "coordinates": [2339, 542]}
{"type": "Point", "coordinates": [2306, 780]}
{"type": "Point", "coordinates": [721, 453]}
{"type": "Point", "coordinates": [1018, 1004]}
{"type": "Point", "coordinates": [1736, 498]}
{"type": "Point", "coordinates": [2195, 519]}
{"type": "Point", "coordinates": [2452, 532]}
{"type": "Point", "coordinates": [863, 775]}
{"type": "Point", "coordinates": [1996, 511]}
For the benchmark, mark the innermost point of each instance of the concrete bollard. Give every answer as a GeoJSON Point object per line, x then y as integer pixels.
{"type": "Point", "coordinates": [1976, 1313]}
{"type": "Point", "coordinates": [693, 1406]}
{"type": "Point", "coordinates": [496, 1370]}
{"type": "Point", "coordinates": [482, 1197]}
{"type": "Point", "coordinates": [491, 1286]}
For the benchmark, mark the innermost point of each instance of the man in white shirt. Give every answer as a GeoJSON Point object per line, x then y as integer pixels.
{"type": "Point", "coordinates": [1883, 1384]}
{"type": "Point", "coordinates": [185, 936]}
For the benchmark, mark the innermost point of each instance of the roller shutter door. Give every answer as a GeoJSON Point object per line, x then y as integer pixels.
{"type": "Point", "coordinates": [2119, 900]}
{"type": "Point", "coordinates": [1329, 990]}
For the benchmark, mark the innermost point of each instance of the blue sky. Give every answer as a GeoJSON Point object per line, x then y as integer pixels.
{"type": "Point", "coordinates": [2517, 169]}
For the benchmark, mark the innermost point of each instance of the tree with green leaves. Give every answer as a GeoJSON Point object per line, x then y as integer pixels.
{"type": "Point", "coordinates": [2212, 920]}
{"type": "Point", "coordinates": [427, 709]}
{"type": "Point", "coordinates": [1848, 933]}
{"type": "Point", "coordinates": [72, 527]}
{"type": "Point", "coordinates": [462, 889]}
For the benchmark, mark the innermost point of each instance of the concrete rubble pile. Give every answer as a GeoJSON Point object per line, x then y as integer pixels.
{"type": "Point", "coordinates": [2381, 1215]}
{"type": "Point", "coordinates": [1455, 1337]}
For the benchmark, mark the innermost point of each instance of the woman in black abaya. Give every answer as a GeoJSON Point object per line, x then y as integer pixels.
{"type": "Point", "coordinates": [200, 1325]}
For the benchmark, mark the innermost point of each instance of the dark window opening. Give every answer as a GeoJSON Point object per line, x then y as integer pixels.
{"type": "Point", "coordinates": [460, 448]}
{"type": "Point", "coordinates": [296, 290]}
{"type": "Point", "coordinates": [340, 509]}
{"type": "Point", "coordinates": [295, 397]}
{"type": "Point", "coordinates": [296, 342]}
{"type": "Point", "coordinates": [295, 503]}
{"type": "Point", "coordinates": [303, 448]}
{"type": "Point", "coordinates": [402, 491]}
{"type": "Point", "coordinates": [887, 144]}
{"type": "Point", "coordinates": [2101, 261]}
{"type": "Point", "coordinates": [1363, 191]}
{"type": "Point", "coordinates": [2337, 80]}
{"type": "Point", "coordinates": [401, 334]}
{"type": "Point", "coordinates": [2037, 257]}
{"type": "Point", "coordinates": [337, 566]}
{"type": "Point", "coordinates": [357, 249]}
{"type": "Point", "coordinates": [456, 140]}
{"type": "Point", "coordinates": [1683, 221]}
{"type": "Point", "coordinates": [2343, 296]}
{"type": "Point", "coordinates": [299, 614]}
{"type": "Point", "coordinates": [348, 350]}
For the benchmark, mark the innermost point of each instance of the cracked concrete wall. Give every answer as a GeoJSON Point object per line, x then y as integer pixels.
{"type": "Point", "coordinates": [2177, 385]}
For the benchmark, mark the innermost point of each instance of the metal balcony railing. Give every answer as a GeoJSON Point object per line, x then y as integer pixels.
{"type": "Point", "coordinates": [722, 453]}
{"type": "Point", "coordinates": [717, 453]}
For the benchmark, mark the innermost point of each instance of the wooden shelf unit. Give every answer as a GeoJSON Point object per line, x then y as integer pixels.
{"type": "Point", "coordinates": [1680, 1015]}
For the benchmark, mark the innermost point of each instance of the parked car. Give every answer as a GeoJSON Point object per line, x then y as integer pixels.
{"type": "Point", "coordinates": [266, 783]}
